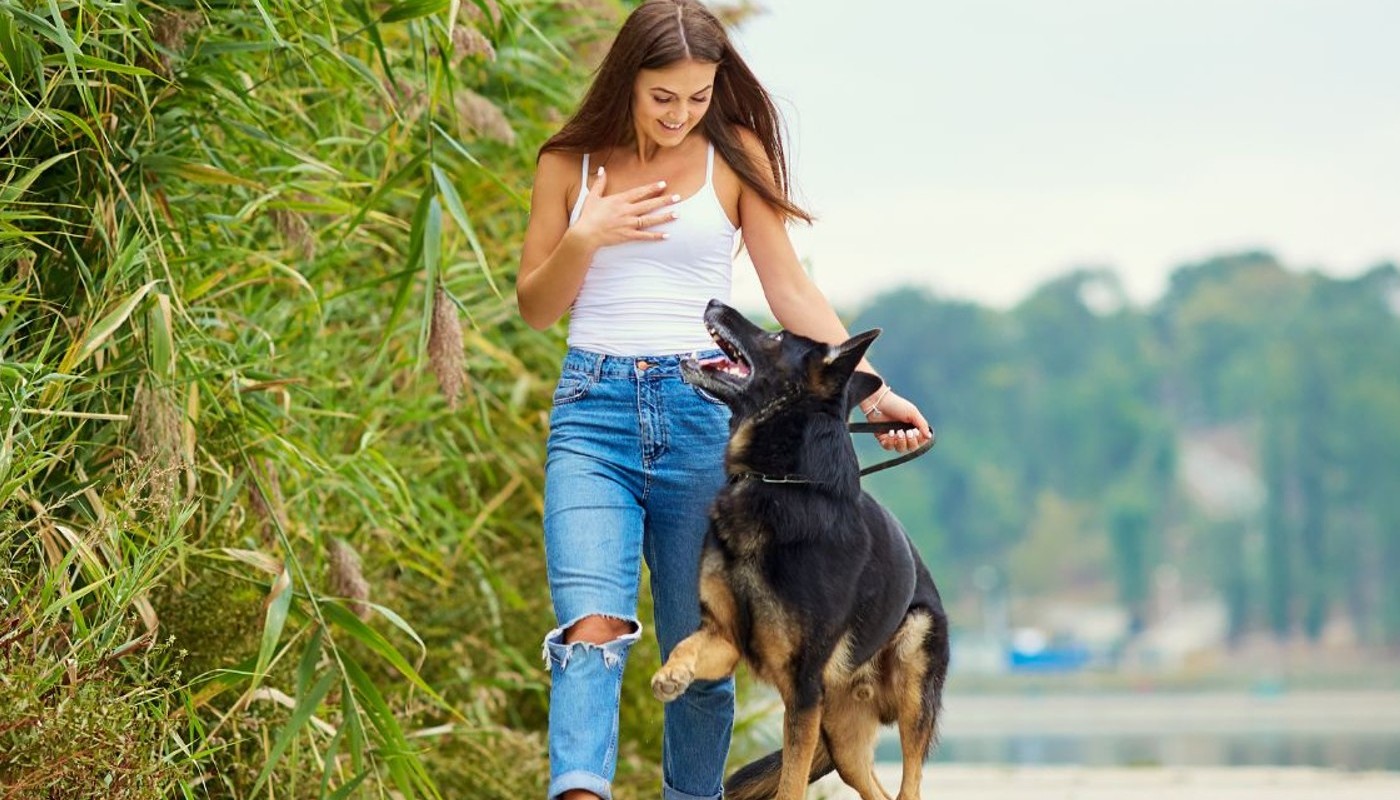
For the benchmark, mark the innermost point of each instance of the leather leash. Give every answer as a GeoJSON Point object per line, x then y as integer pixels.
{"type": "Point", "coordinates": [887, 427]}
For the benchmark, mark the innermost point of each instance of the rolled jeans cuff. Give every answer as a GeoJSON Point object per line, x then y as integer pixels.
{"type": "Point", "coordinates": [669, 792]}
{"type": "Point", "coordinates": [578, 779]}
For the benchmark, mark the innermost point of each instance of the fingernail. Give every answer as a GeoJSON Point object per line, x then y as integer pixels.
{"type": "Point", "coordinates": [674, 215]}
{"type": "Point", "coordinates": [675, 198]}
{"type": "Point", "coordinates": [661, 184]}
{"type": "Point", "coordinates": [600, 172]}
{"type": "Point", "coordinates": [665, 236]}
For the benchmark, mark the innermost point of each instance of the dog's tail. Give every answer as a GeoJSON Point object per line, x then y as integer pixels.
{"type": "Point", "coordinates": [759, 780]}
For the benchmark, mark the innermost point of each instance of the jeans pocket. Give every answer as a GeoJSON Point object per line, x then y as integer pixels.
{"type": "Point", "coordinates": [706, 396]}
{"type": "Point", "coordinates": [572, 386]}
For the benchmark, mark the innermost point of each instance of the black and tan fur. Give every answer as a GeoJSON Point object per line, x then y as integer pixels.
{"type": "Point", "coordinates": [807, 578]}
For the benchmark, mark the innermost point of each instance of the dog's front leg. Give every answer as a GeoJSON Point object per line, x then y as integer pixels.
{"type": "Point", "coordinates": [706, 655]}
{"type": "Point", "coordinates": [802, 730]}
{"type": "Point", "coordinates": [710, 653]}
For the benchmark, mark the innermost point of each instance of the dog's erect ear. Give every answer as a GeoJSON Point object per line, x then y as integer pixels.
{"type": "Point", "coordinates": [842, 359]}
{"type": "Point", "coordinates": [861, 386]}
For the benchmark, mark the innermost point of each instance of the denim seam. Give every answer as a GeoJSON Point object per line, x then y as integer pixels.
{"type": "Point", "coordinates": [643, 440]}
{"type": "Point", "coordinates": [663, 431]}
{"type": "Point", "coordinates": [648, 556]}
{"type": "Point", "coordinates": [611, 757]}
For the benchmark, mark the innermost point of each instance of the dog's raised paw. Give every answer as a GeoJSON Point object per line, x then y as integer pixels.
{"type": "Point", "coordinates": [671, 681]}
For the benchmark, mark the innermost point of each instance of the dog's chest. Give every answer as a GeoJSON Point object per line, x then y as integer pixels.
{"type": "Point", "coordinates": [768, 630]}
{"type": "Point", "coordinates": [774, 631]}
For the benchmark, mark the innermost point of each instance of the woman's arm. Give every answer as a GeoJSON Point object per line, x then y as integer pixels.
{"type": "Point", "coordinates": [800, 306]}
{"type": "Point", "coordinates": [555, 255]}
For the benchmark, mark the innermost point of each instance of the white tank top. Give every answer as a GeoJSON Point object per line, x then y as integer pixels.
{"type": "Point", "coordinates": [648, 298]}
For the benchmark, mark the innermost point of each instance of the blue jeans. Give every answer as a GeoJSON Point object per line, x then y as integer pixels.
{"type": "Point", "coordinates": [635, 456]}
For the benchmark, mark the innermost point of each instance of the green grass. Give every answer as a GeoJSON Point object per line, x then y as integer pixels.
{"type": "Point", "coordinates": [270, 429]}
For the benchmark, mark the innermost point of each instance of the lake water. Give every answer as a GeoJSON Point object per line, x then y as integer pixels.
{"type": "Point", "coordinates": [1338, 751]}
{"type": "Point", "coordinates": [1357, 731]}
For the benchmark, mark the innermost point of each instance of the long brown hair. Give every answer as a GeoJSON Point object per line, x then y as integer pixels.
{"type": "Point", "coordinates": [660, 33]}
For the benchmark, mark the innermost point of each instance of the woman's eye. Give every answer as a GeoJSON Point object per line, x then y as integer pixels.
{"type": "Point", "coordinates": [700, 99]}
{"type": "Point", "coordinates": [661, 99]}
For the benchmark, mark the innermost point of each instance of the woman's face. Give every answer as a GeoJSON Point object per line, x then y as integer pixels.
{"type": "Point", "coordinates": [668, 103]}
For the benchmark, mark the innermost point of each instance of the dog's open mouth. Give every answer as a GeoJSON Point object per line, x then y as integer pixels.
{"type": "Point", "coordinates": [732, 363]}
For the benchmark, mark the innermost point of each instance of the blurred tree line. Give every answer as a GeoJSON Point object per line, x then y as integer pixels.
{"type": "Point", "coordinates": [1070, 427]}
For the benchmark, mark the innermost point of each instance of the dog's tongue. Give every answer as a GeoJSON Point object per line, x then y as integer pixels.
{"type": "Point", "coordinates": [721, 363]}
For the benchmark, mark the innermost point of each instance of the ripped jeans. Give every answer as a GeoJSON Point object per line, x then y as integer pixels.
{"type": "Point", "coordinates": [635, 456]}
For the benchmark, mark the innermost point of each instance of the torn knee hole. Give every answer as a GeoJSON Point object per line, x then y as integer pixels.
{"type": "Point", "coordinates": [610, 636]}
{"type": "Point", "coordinates": [598, 629]}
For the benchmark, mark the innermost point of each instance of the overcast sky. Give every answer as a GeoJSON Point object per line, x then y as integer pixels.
{"type": "Point", "coordinates": [980, 147]}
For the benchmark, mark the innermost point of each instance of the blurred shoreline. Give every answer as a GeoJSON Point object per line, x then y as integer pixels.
{"type": "Point", "coordinates": [1115, 712]}
{"type": "Point", "coordinates": [962, 782]}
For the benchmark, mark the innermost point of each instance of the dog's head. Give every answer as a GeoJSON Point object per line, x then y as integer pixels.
{"type": "Point", "coordinates": [762, 372]}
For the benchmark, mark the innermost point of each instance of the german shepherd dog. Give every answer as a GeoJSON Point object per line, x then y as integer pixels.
{"type": "Point", "coordinates": [804, 575]}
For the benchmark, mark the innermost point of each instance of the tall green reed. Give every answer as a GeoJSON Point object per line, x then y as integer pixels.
{"type": "Point", "coordinates": [270, 466]}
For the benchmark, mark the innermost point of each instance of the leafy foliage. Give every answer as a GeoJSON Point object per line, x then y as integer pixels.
{"type": "Point", "coordinates": [1077, 396]}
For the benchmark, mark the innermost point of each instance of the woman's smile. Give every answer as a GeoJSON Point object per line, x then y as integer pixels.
{"type": "Point", "coordinates": [675, 97]}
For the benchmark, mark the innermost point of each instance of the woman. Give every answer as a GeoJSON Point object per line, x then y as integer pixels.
{"type": "Point", "coordinates": [636, 204]}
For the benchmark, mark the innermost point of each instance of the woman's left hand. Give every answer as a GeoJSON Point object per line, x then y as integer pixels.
{"type": "Point", "coordinates": [893, 408]}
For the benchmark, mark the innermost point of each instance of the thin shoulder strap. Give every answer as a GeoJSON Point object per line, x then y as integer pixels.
{"type": "Point", "coordinates": [710, 163]}
{"type": "Point", "coordinates": [582, 191]}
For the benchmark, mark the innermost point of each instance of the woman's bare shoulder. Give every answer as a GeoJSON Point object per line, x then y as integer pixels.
{"type": "Point", "coordinates": [752, 149]}
{"type": "Point", "coordinates": [753, 146]}
{"type": "Point", "coordinates": [557, 176]}
{"type": "Point", "coordinates": [554, 164]}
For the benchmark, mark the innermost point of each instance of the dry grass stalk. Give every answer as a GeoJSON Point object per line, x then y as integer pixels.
{"type": "Point", "coordinates": [156, 434]}
{"type": "Point", "coordinates": [295, 232]}
{"type": "Point", "coordinates": [445, 351]}
{"type": "Point", "coordinates": [347, 577]}
{"type": "Point", "coordinates": [483, 117]}
{"type": "Point", "coordinates": [467, 42]}
{"type": "Point", "coordinates": [264, 506]}
{"type": "Point", "coordinates": [170, 31]}
{"type": "Point", "coordinates": [472, 12]}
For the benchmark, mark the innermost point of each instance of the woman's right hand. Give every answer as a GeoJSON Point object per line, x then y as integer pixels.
{"type": "Point", "coordinates": [626, 216]}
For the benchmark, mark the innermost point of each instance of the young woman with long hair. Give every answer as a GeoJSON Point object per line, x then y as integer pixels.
{"type": "Point", "coordinates": [675, 150]}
